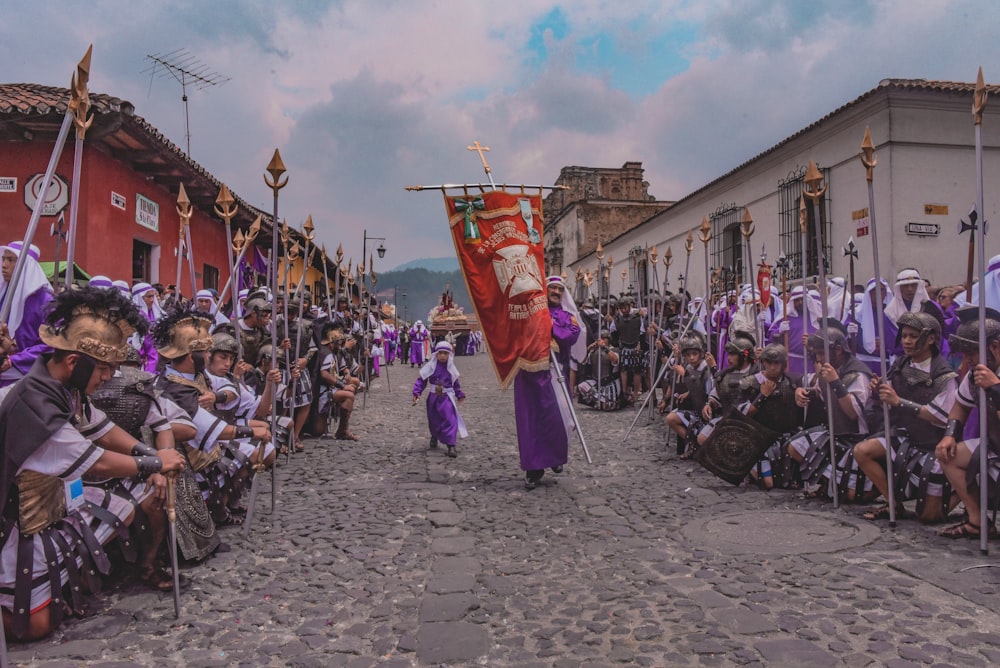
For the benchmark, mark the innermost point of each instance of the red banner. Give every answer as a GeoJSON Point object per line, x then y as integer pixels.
{"type": "Point", "coordinates": [498, 239]}
{"type": "Point", "coordinates": [764, 284]}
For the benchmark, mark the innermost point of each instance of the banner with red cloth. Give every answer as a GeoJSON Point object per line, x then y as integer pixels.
{"type": "Point", "coordinates": [498, 240]}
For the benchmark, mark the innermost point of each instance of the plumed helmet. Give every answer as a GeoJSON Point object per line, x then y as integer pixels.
{"type": "Point", "coordinates": [605, 334]}
{"type": "Point", "coordinates": [93, 321]}
{"type": "Point", "coordinates": [224, 343]}
{"type": "Point", "coordinates": [774, 353]}
{"type": "Point", "coordinates": [966, 337]}
{"type": "Point", "coordinates": [925, 323]}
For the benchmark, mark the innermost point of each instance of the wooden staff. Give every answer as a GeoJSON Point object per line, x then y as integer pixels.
{"type": "Point", "coordinates": [851, 253]}
{"type": "Point", "coordinates": [172, 541]}
{"type": "Point", "coordinates": [978, 105]}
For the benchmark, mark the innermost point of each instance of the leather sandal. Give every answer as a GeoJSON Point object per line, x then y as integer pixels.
{"type": "Point", "coordinates": [966, 530]}
{"type": "Point", "coordinates": [346, 436]}
{"type": "Point", "coordinates": [156, 578]}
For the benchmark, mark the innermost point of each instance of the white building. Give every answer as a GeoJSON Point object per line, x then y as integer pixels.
{"type": "Point", "coordinates": [924, 183]}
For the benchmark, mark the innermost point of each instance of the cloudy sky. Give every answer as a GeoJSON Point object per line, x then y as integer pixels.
{"type": "Point", "coordinates": [364, 97]}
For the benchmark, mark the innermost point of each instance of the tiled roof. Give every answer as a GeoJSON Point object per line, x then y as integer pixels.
{"type": "Point", "coordinates": [31, 99]}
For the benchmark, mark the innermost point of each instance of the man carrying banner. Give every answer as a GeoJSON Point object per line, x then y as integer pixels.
{"type": "Point", "coordinates": [541, 433]}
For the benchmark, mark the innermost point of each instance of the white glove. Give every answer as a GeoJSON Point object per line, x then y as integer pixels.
{"type": "Point", "coordinates": [762, 317]}
{"type": "Point", "coordinates": [852, 328]}
{"type": "Point", "coordinates": [784, 326]}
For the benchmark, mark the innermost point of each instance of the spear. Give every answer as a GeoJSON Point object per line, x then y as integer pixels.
{"type": "Point", "coordinates": [654, 256]}
{"type": "Point", "coordinates": [851, 253]}
{"type": "Point", "coordinates": [225, 208]}
{"type": "Point", "coordinates": [180, 262]}
{"type": "Point", "coordinates": [79, 106]}
{"type": "Point", "coordinates": [782, 265]}
{"type": "Point", "coordinates": [276, 168]}
{"type": "Point", "coordinates": [326, 283]}
{"type": "Point", "coordinates": [241, 244]}
{"type": "Point", "coordinates": [970, 227]}
{"type": "Point", "coordinates": [184, 212]}
{"type": "Point", "coordinates": [339, 272]}
{"type": "Point", "coordinates": [600, 310]}
{"type": "Point", "coordinates": [688, 247]}
{"type": "Point", "coordinates": [978, 105]}
{"type": "Point", "coordinates": [813, 190]}
{"type": "Point", "coordinates": [747, 232]}
{"type": "Point", "coordinates": [869, 160]}
{"type": "Point", "coordinates": [803, 234]}
{"type": "Point", "coordinates": [36, 214]}
{"type": "Point", "coordinates": [171, 509]}
{"type": "Point", "coordinates": [56, 230]}
{"type": "Point", "coordinates": [705, 234]}
{"type": "Point", "coordinates": [309, 235]}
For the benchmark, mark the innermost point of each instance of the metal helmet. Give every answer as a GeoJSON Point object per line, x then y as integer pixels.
{"type": "Point", "coordinates": [692, 342]}
{"type": "Point", "coordinates": [837, 333]}
{"type": "Point", "coordinates": [774, 353]}
{"type": "Point", "coordinates": [966, 337]}
{"type": "Point", "coordinates": [224, 343]}
{"type": "Point", "coordinates": [256, 304]}
{"type": "Point", "coordinates": [264, 353]}
{"type": "Point", "coordinates": [924, 323]}
{"type": "Point", "coordinates": [741, 344]}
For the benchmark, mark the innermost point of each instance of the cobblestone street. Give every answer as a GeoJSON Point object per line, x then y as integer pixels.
{"type": "Point", "coordinates": [383, 552]}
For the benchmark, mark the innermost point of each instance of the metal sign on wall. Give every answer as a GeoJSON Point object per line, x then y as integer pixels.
{"type": "Point", "coordinates": [923, 229]}
{"type": "Point", "coordinates": [147, 213]}
{"type": "Point", "coordinates": [8, 184]}
{"type": "Point", "coordinates": [56, 199]}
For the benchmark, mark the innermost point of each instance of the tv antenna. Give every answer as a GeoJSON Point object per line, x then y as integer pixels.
{"type": "Point", "coordinates": [185, 67]}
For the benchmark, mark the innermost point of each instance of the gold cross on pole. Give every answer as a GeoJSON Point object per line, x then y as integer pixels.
{"type": "Point", "coordinates": [481, 150]}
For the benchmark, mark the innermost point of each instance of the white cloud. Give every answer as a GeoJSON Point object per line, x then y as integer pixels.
{"type": "Point", "coordinates": [364, 98]}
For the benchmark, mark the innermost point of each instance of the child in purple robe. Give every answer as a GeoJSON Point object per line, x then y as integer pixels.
{"type": "Point", "coordinates": [443, 418]}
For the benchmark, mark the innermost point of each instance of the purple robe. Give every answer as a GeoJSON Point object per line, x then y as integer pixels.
{"type": "Point", "coordinates": [541, 435]}
{"type": "Point", "coordinates": [796, 360]}
{"type": "Point", "coordinates": [721, 321]}
{"type": "Point", "coordinates": [417, 345]}
{"type": "Point", "coordinates": [29, 345]}
{"type": "Point", "coordinates": [442, 418]}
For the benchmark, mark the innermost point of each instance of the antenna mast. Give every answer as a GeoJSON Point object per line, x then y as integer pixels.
{"type": "Point", "coordinates": [185, 67]}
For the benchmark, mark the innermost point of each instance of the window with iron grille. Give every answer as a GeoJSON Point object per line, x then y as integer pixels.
{"type": "Point", "coordinates": [790, 192]}
{"type": "Point", "coordinates": [727, 242]}
{"type": "Point", "coordinates": [210, 278]}
{"type": "Point", "coordinates": [638, 269]}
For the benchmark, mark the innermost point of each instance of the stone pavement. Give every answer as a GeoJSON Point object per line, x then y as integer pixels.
{"type": "Point", "coordinates": [385, 553]}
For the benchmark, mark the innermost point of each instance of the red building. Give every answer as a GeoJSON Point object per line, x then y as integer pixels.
{"type": "Point", "coordinates": [128, 227]}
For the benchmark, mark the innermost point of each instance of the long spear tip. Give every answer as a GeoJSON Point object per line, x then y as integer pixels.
{"type": "Point", "coordinates": [225, 197]}
{"type": "Point", "coordinates": [276, 167]}
{"type": "Point", "coordinates": [182, 197]}
{"type": "Point", "coordinates": [84, 65]}
{"type": "Point", "coordinates": [813, 175]}
{"type": "Point", "coordinates": [866, 143]}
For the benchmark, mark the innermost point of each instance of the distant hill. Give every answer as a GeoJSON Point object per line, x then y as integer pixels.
{"type": "Point", "coordinates": [440, 264]}
{"type": "Point", "coordinates": [423, 289]}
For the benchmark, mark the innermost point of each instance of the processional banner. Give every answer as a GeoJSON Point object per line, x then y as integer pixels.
{"type": "Point", "coordinates": [498, 240]}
